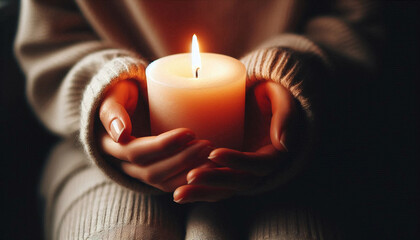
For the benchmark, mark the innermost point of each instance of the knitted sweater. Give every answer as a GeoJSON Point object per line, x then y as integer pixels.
{"type": "Point", "coordinates": [73, 51]}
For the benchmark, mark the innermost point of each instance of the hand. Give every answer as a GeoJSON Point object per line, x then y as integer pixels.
{"type": "Point", "coordinates": [270, 109]}
{"type": "Point", "coordinates": [161, 161]}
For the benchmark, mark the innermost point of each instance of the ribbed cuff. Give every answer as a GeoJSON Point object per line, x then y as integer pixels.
{"type": "Point", "coordinates": [292, 61]}
{"type": "Point", "coordinates": [116, 69]}
{"type": "Point", "coordinates": [297, 43]}
{"type": "Point", "coordinates": [297, 64]}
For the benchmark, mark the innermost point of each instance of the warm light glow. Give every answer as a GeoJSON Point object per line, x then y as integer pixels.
{"type": "Point", "coordinates": [195, 57]}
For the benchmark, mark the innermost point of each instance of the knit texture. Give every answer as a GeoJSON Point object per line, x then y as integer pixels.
{"type": "Point", "coordinates": [208, 221]}
{"type": "Point", "coordinates": [278, 60]}
{"type": "Point", "coordinates": [117, 69]}
{"type": "Point", "coordinates": [68, 56]}
{"type": "Point", "coordinates": [291, 222]}
{"type": "Point", "coordinates": [299, 65]}
{"type": "Point", "coordinates": [86, 204]}
{"type": "Point", "coordinates": [72, 52]}
{"type": "Point", "coordinates": [108, 211]}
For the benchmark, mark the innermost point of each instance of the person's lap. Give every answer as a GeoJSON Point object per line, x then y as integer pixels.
{"type": "Point", "coordinates": [82, 203]}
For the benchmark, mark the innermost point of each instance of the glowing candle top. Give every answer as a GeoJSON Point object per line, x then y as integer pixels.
{"type": "Point", "coordinates": [195, 57]}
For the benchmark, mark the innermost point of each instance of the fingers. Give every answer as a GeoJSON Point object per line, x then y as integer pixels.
{"type": "Point", "coordinates": [120, 101]}
{"type": "Point", "coordinates": [259, 163]}
{"type": "Point", "coordinates": [174, 182]}
{"type": "Point", "coordinates": [194, 193]}
{"type": "Point", "coordinates": [169, 185]}
{"type": "Point", "coordinates": [165, 169]}
{"type": "Point", "coordinates": [196, 154]}
{"type": "Point", "coordinates": [281, 107]}
{"type": "Point", "coordinates": [145, 150]}
{"type": "Point", "coordinates": [222, 178]}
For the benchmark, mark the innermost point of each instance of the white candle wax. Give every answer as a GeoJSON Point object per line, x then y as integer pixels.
{"type": "Point", "coordinates": [211, 105]}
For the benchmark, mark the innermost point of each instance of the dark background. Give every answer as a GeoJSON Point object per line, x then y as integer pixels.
{"type": "Point", "coordinates": [24, 142]}
{"type": "Point", "coordinates": [375, 193]}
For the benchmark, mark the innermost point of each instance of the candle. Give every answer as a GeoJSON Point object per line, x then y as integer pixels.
{"type": "Point", "coordinates": [204, 92]}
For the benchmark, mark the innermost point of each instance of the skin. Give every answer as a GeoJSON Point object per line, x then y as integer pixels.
{"type": "Point", "coordinates": [268, 106]}
{"type": "Point", "coordinates": [177, 162]}
{"type": "Point", "coordinates": [161, 161]}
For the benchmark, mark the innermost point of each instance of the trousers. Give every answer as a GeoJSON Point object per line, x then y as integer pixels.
{"type": "Point", "coordinates": [81, 203]}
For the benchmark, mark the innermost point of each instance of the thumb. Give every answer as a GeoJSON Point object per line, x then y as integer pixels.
{"type": "Point", "coordinates": [281, 108]}
{"type": "Point", "coordinates": [119, 102]}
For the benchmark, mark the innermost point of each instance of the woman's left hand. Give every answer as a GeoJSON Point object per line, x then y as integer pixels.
{"type": "Point", "coordinates": [270, 110]}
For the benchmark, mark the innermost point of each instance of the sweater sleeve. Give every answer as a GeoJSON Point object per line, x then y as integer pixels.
{"type": "Point", "coordinates": [68, 69]}
{"type": "Point", "coordinates": [329, 47]}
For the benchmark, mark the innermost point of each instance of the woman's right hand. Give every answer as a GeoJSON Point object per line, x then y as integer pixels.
{"type": "Point", "coordinates": [161, 161]}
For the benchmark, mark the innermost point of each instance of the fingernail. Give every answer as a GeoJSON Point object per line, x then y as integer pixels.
{"type": "Point", "coordinates": [283, 137]}
{"type": "Point", "coordinates": [117, 128]}
{"type": "Point", "coordinates": [212, 156]}
{"type": "Point", "coordinates": [178, 200]}
{"type": "Point", "coordinates": [284, 146]}
{"type": "Point", "coordinates": [191, 180]}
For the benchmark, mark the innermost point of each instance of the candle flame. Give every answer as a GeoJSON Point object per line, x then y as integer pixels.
{"type": "Point", "coordinates": [195, 57]}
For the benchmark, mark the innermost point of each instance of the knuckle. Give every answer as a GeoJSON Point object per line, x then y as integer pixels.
{"type": "Point", "coordinates": [152, 178]}
{"type": "Point", "coordinates": [130, 153]}
{"type": "Point", "coordinates": [130, 157]}
{"type": "Point", "coordinates": [105, 110]}
{"type": "Point", "coordinates": [164, 145]}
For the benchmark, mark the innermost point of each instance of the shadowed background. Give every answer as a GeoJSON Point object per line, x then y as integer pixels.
{"type": "Point", "coordinates": [375, 159]}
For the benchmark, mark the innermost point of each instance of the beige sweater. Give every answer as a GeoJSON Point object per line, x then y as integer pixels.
{"type": "Point", "coordinates": [73, 51]}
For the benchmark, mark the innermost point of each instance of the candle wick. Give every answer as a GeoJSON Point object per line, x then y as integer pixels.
{"type": "Point", "coordinates": [196, 72]}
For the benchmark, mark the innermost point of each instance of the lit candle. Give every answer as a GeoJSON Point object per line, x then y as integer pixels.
{"type": "Point", "coordinates": [203, 92]}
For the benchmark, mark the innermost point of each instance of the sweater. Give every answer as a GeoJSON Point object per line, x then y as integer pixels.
{"type": "Point", "coordinates": [73, 51]}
